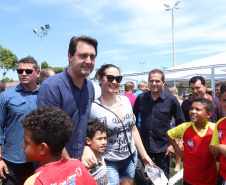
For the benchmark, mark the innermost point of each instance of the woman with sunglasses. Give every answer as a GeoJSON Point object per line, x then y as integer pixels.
{"type": "Point", "coordinates": [109, 108]}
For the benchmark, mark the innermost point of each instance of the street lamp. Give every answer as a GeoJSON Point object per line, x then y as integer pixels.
{"type": "Point", "coordinates": [44, 31]}
{"type": "Point", "coordinates": [172, 9]}
{"type": "Point", "coordinates": [142, 63]}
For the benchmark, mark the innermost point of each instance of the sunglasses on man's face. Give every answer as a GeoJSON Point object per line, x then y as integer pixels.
{"type": "Point", "coordinates": [111, 78]}
{"type": "Point", "coordinates": [27, 71]}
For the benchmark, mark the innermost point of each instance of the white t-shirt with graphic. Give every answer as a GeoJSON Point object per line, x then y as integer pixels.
{"type": "Point", "coordinates": [99, 172]}
{"type": "Point", "coordinates": [117, 148]}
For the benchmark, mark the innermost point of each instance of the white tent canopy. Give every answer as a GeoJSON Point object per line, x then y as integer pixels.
{"type": "Point", "coordinates": [206, 67]}
{"type": "Point", "coordinates": [215, 60]}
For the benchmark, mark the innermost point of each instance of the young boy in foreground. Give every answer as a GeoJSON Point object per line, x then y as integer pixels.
{"type": "Point", "coordinates": [46, 132]}
{"type": "Point", "coordinates": [97, 140]}
{"type": "Point", "coordinates": [199, 164]}
{"type": "Point", "coordinates": [218, 143]}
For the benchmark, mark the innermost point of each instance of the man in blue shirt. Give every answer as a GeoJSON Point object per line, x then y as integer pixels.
{"type": "Point", "coordinates": [15, 103]}
{"type": "Point", "coordinates": [142, 87]}
{"type": "Point", "coordinates": [156, 108]}
{"type": "Point", "coordinates": [73, 92]}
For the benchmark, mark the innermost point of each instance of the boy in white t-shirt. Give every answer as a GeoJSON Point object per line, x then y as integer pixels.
{"type": "Point", "coordinates": [97, 140]}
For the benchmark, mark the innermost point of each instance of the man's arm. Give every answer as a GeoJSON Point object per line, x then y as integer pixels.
{"type": "Point", "coordinates": [3, 167]}
{"type": "Point", "coordinates": [48, 95]}
{"type": "Point", "coordinates": [3, 112]}
{"type": "Point", "coordinates": [175, 146]}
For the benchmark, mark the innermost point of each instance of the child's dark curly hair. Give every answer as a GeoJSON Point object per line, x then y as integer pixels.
{"type": "Point", "coordinates": [93, 127]}
{"type": "Point", "coordinates": [49, 125]}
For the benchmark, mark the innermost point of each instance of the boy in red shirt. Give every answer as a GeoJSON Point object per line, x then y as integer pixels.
{"type": "Point", "coordinates": [199, 164]}
{"type": "Point", "coordinates": [218, 143]}
{"type": "Point", "coordinates": [46, 132]}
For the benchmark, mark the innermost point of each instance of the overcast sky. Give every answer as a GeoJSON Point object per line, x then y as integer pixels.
{"type": "Point", "coordinates": [128, 31]}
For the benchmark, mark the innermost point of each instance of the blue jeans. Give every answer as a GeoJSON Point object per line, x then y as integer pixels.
{"type": "Point", "coordinates": [160, 161]}
{"type": "Point", "coordinates": [121, 169]}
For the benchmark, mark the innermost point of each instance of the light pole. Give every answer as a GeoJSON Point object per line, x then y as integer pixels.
{"type": "Point", "coordinates": [44, 31]}
{"type": "Point", "coordinates": [142, 63]}
{"type": "Point", "coordinates": [172, 9]}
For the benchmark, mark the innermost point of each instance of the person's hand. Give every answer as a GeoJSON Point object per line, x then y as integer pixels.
{"type": "Point", "coordinates": [147, 160]}
{"type": "Point", "coordinates": [169, 151]}
{"type": "Point", "coordinates": [88, 157]}
{"type": "Point", "coordinates": [3, 168]}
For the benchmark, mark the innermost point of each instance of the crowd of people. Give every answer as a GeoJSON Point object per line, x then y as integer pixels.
{"type": "Point", "coordinates": [53, 130]}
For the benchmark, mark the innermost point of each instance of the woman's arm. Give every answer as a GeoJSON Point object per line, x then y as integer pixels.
{"type": "Point", "coordinates": [140, 147]}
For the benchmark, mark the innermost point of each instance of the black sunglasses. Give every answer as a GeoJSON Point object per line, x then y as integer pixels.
{"type": "Point", "coordinates": [111, 78]}
{"type": "Point", "coordinates": [27, 71]}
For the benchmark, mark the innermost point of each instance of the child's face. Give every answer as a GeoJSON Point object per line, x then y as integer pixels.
{"type": "Point", "coordinates": [99, 142]}
{"type": "Point", "coordinates": [223, 100]}
{"type": "Point", "coordinates": [198, 113]}
{"type": "Point", "coordinates": [31, 150]}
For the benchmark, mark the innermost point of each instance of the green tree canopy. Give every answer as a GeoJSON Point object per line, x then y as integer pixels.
{"type": "Point", "coordinates": [57, 69]}
{"type": "Point", "coordinates": [6, 79]}
{"type": "Point", "coordinates": [8, 60]}
{"type": "Point", "coordinates": [45, 65]}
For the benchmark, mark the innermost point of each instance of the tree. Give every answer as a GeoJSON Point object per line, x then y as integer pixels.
{"type": "Point", "coordinates": [6, 79]}
{"type": "Point", "coordinates": [8, 60]}
{"type": "Point", "coordinates": [45, 65]}
{"type": "Point", "coordinates": [57, 69]}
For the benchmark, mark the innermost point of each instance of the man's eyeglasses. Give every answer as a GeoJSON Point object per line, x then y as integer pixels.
{"type": "Point", "coordinates": [27, 71]}
{"type": "Point", "coordinates": [111, 78]}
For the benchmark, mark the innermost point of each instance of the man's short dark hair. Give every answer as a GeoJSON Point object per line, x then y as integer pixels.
{"type": "Point", "coordinates": [49, 125]}
{"type": "Point", "coordinates": [218, 84]}
{"type": "Point", "coordinates": [74, 42]}
{"type": "Point", "coordinates": [129, 86]}
{"type": "Point", "coordinates": [222, 88]}
{"type": "Point", "coordinates": [44, 73]}
{"type": "Point", "coordinates": [29, 60]}
{"type": "Point", "coordinates": [208, 104]}
{"type": "Point", "coordinates": [157, 71]}
{"type": "Point", "coordinates": [2, 86]}
{"type": "Point", "coordinates": [93, 127]}
{"type": "Point", "coordinates": [195, 78]}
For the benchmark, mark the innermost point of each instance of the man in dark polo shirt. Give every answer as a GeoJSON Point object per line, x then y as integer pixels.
{"type": "Point", "coordinates": [156, 108]}
{"type": "Point", "coordinates": [198, 87]}
{"type": "Point", "coordinates": [73, 92]}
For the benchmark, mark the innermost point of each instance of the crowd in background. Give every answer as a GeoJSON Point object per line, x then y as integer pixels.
{"type": "Point", "coordinates": [121, 128]}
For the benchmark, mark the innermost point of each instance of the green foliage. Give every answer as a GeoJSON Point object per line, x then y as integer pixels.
{"type": "Point", "coordinates": [29, 56]}
{"type": "Point", "coordinates": [44, 65]}
{"type": "Point", "coordinates": [189, 91]}
{"type": "Point", "coordinates": [57, 69]}
{"type": "Point", "coordinates": [6, 79]}
{"type": "Point", "coordinates": [8, 60]}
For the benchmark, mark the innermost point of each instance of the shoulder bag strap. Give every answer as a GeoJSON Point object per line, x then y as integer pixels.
{"type": "Point", "coordinates": [123, 129]}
